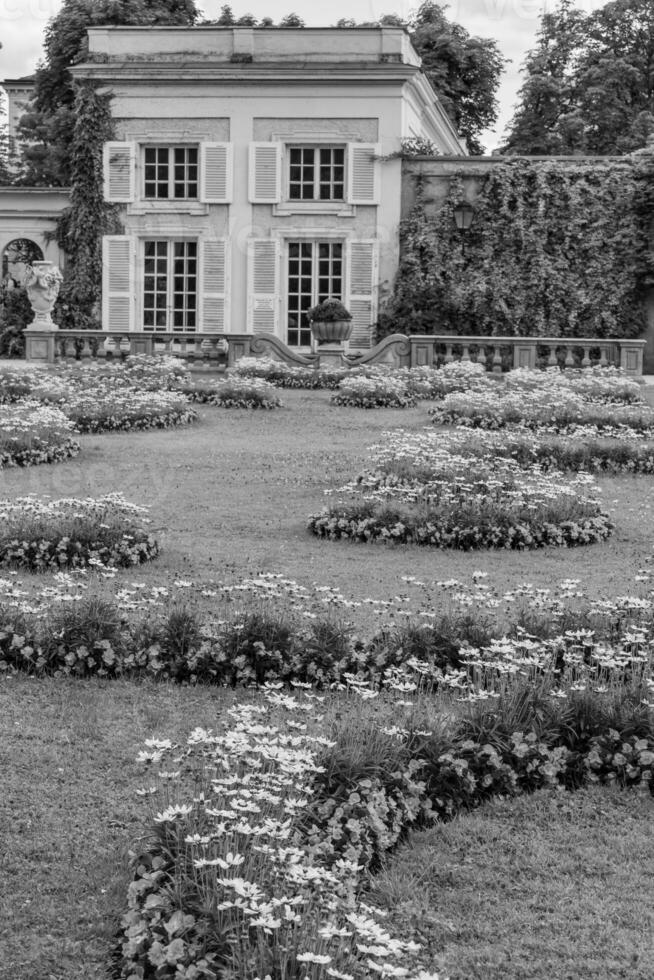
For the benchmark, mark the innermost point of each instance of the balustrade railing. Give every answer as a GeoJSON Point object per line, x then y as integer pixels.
{"type": "Point", "coordinates": [211, 350]}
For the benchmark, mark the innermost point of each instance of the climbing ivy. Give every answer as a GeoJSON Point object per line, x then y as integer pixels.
{"type": "Point", "coordinates": [555, 249]}
{"type": "Point", "coordinates": [81, 226]}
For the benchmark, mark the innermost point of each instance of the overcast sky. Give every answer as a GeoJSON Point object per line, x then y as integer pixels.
{"type": "Point", "coordinates": [513, 23]}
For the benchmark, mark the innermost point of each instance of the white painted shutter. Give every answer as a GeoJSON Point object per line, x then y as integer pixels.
{"type": "Point", "coordinates": [263, 285]}
{"type": "Point", "coordinates": [363, 173]}
{"type": "Point", "coordinates": [119, 164]}
{"type": "Point", "coordinates": [213, 286]}
{"type": "Point", "coordinates": [265, 174]}
{"type": "Point", "coordinates": [216, 173]}
{"type": "Point", "coordinates": [362, 291]}
{"type": "Point", "coordinates": [118, 282]}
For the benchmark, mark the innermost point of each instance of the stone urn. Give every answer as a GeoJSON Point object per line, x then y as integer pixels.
{"type": "Point", "coordinates": [331, 331]}
{"type": "Point", "coordinates": [42, 282]}
{"type": "Point", "coordinates": [331, 322]}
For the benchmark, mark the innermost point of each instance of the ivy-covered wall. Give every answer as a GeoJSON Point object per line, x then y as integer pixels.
{"type": "Point", "coordinates": [557, 247]}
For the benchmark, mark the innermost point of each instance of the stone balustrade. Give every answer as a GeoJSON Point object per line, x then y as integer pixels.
{"type": "Point", "coordinates": [501, 353]}
{"type": "Point", "coordinates": [497, 353]}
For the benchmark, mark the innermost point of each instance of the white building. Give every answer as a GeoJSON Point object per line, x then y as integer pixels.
{"type": "Point", "coordinates": [258, 173]}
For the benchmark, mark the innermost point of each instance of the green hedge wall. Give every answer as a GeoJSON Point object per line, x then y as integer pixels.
{"type": "Point", "coordinates": [556, 248]}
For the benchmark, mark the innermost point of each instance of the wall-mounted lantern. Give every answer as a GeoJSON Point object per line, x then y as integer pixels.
{"type": "Point", "coordinates": [463, 215]}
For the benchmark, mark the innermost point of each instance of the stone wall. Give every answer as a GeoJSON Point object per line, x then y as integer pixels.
{"type": "Point", "coordinates": [434, 174]}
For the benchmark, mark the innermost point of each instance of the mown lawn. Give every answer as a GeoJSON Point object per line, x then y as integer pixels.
{"type": "Point", "coordinates": [231, 496]}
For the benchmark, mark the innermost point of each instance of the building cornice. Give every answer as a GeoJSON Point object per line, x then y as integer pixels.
{"type": "Point", "coordinates": [277, 74]}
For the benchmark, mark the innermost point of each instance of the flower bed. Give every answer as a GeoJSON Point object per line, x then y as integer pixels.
{"type": "Point", "coordinates": [288, 799]}
{"type": "Point", "coordinates": [416, 456]}
{"type": "Point", "coordinates": [446, 503]}
{"type": "Point", "coordinates": [32, 433]}
{"type": "Point", "coordinates": [603, 385]}
{"type": "Point", "coordinates": [123, 409]}
{"type": "Point", "coordinates": [284, 375]}
{"type": "Point", "coordinates": [70, 533]}
{"type": "Point", "coordinates": [236, 392]}
{"type": "Point", "coordinates": [374, 391]}
{"type": "Point", "coordinates": [435, 383]}
{"type": "Point", "coordinates": [563, 412]}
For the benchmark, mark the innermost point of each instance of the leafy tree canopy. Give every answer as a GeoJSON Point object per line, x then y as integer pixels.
{"type": "Point", "coordinates": [589, 82]}
{"type": "Point", "coordinates": [48, 127]}
{"type": "Point", "coordinates": [228, 19]}
{"type": "Point", "coordinates": [464, 70]}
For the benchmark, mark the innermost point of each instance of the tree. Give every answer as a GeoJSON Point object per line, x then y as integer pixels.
{"type": "Point", "coordinates": [464, 70]}
{"type": "Point", "coordinates": [48, 127]}
{"type": "Point", "coordinates": [589, 85]}
{"type": "Point", "coordinates": [292, 20]}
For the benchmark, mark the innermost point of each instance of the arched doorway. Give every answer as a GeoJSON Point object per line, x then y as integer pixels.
{"type": "Point", "coordinates": [16, 256]}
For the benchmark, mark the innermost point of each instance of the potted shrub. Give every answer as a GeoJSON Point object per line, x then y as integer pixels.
{"type": "Point", "coordinates": [330, 322]}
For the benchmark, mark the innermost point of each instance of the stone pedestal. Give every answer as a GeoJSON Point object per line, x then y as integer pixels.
{"type": "Point", "coordinates": [40, 344]}
{"type": "Point", "coordinates": [330, 356]}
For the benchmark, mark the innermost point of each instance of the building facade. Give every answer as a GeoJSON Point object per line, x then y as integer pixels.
{"type": "Point", "coordinates": [258, 173]}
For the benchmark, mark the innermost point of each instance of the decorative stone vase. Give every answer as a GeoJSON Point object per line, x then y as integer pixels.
{"type": "Point", "coordinates": [331, 331]}
{"type": "Point", "coordinates": [42, 282]}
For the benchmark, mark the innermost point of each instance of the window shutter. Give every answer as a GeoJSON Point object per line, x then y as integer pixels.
{"type": "Point", "coordinates": [363, 173]}
{"type": "Point", "coordinates": [118, 285]}
{"type": "Point", "coordinates": [213, 285]}
{"type": "Point", "coordinates": [216, 172]}
{"type": "Point", "coordinates": [263, 288]}
{"type": "Point", "coordinates": [362, 299]}
{"type": "Point", "coordinates": [119, 164]}
{"type": "Point", "coordinates": [265, 173]}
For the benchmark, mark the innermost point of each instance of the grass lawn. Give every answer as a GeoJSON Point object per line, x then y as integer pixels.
{"type": "Point", "coordinates": [552, 885]}
{"type": "Point", "coordinates": [231, 496]}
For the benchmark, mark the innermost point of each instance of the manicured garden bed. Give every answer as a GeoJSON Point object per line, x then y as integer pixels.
{"type": "Point", "coordinates": [456, 661]}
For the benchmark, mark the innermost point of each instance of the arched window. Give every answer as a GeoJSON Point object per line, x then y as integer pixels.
{"type": "Point", "coordinates": [18, 254]}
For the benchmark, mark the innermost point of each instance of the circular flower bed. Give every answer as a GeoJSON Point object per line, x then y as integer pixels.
{"type": "Point", "coordinates": [236, 392]}
{"type": "Point", "coordinates": [32, 433]}
{"type": "Point", "coordinates": [498, 505]}
{"type": "Point", "coordinates": [561, 411]}
{"type": "Point", "coordinates": [415, 456]}
{"type": "Point", "coordinates": [105, 532]}
{"type": "Point", "coordinates": [123, 409]}
{"type": "Point", "coordinates": [374, 391]}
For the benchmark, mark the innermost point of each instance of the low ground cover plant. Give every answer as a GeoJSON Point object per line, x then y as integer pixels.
{"type": "Point", "coordinates": [32, 433]}
{"type": "Point", "coordinates": [236, 392]}
{"type": "Point", "coordinates": [69, 533]}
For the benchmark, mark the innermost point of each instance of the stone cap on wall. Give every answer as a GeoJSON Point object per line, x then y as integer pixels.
{"type": "Point", "coordinates": [230, 44]}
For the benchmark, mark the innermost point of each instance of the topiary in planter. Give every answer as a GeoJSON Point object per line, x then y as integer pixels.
{"type": "Point", "coordinates": [331, 322]}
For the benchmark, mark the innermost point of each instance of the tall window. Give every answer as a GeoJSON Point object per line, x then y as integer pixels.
{"type": "Point", "coordinates": [171, 172]}
{"type": "Point", "coordinates": [170, 285]}
{"type": "Point", "coordinates": [315, 272]}
{"type": "Point", "coordinates": [316, 173]}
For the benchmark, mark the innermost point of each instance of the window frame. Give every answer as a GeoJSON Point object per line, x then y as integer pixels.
{"type": "Point", "coordinates": [318, 148]}
{"type": "Point", "coordinates": [170, 241]}
{"type": "Point", "coordinates": [171, 148]}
